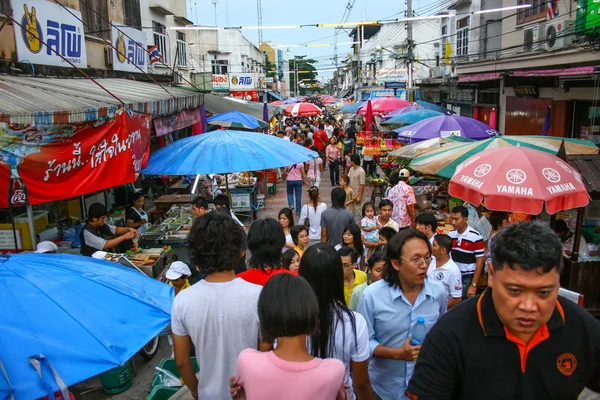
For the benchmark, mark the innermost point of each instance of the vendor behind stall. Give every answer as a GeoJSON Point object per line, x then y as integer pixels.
{"type": "Point", "coordinates": [97, 235]}
{"type": "Point", "coordinates": [136, 216]}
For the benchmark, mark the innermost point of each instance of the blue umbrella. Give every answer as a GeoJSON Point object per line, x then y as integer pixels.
{"type": "Point", "coordinates": [237, 120]}
{"type": "Point", "coordinates": [352, 108]}
{"type": "Point", "coordinates": [446, 125]}
{"type": "Point", "coordinates": [76, 315]}
{"type": "Point", "coordinates": [401, 111]}
{"type": "Point", "coordinates": [411, 117]}
{"type": "Point", "coordinates": [226, 151]}
{"type": "Point", "coordinates": [431, 106]}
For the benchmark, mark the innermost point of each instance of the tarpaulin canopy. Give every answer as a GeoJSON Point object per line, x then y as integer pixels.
{"type": "Point", "coordinates": [218, 105]}
{"type": "Point", "coordinates": [44, 163]}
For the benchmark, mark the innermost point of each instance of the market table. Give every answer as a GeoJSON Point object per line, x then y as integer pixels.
{"type": "Point", "coordinates": [165, 201]}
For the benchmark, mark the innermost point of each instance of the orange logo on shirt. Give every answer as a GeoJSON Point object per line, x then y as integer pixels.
{"type": "Point", "coordinates": [566, 363]}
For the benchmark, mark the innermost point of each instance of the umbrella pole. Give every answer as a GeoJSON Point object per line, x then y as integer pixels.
{"type": "Point", "coordinates": [14, 228]}
{"type": "Point", "coordinates": [227, 186]}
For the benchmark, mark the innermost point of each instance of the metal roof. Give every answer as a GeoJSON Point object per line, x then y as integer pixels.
{"type": "Point", "coordinates": [589, 166]}
{"type": "Point", "coordinates": [29, 100]}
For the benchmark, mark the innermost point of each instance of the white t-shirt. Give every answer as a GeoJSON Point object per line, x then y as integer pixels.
{"type": "Point", "coordinates": [448, 275]}
{"type": "Point", "coordinates": [222, 320]}
{"type": "Point", "coordinates": [288, 240]}
{"type": "Point", "coordinates": [346, 349]}
{"type": "Point", "coordinates": [314, 232]}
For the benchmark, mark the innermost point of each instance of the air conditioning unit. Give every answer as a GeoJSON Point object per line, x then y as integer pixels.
{"type": "Point", "coordinates": [559, 34]}
{"type": "Point", "coordinates": [532, 35]}
{"type": "Point", "coordinates": [108, 55]}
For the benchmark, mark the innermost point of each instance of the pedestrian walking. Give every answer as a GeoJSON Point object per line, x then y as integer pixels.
{"type": "Point", "coordinates": [517, 340]}
{"type": "Point", "coordinates": [357, 184]}
{"type": "Point", "coordinates": [314, 169]}
{"type": "Point", "coordinates": [402, 196]}
{"type": "Point", "coordinates": [333, 156]}
{"type": "Point", "coordinates": [392, 307]}
{"type": "Point", "coordinates": [335, 219]}
{"type": "Point", "coordinates": [310, 215]}
{"type": "Point", "coordinates": [295, 177]}
{"type": "Point", "coordinates": [342, 333]}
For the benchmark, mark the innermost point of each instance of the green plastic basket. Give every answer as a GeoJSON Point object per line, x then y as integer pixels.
{"type": "Point", "coordinates": [162, 393]}
{"type": "Point", "coordinates": [168, 364]}
{"type": "Point", "coordinates": [116, 380]}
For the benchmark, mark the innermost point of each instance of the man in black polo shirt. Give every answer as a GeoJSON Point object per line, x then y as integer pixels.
{"type": "Point", "coordinates": [518, 339]}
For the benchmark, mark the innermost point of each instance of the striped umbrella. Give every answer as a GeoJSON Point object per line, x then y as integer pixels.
{"type": "Point", "coordinates": [419, 148]}
{"type": "Point", "coordinates": [444, 160]}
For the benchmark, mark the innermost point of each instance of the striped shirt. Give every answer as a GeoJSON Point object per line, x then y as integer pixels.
{"type": "Point", "coordinates": [466, 248]}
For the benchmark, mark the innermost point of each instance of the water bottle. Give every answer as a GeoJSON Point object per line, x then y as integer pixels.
{"type": "Point", "coordinates": [418, 332]}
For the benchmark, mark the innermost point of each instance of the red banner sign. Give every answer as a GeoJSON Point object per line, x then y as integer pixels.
{"type": "Point", "coordinates": [52, 162]}
{"type": "Point", "coordinates": [249, 95]}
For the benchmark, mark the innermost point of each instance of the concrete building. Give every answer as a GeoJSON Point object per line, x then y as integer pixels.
{"type": "Point", "coordinates": [280, 59]}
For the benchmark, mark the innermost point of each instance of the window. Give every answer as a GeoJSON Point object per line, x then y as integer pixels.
{"type": "Point", "coordinates": [535, 12]}
{"type": "Point", "coordinates": [181, 50]}
{"type": "Point", "coordinates": [220, 67]}
{"type": "Point", "coordinates": [4, 7]}
{"type": "Point", "coordinates": [462, 37]}
{"type": "Point", "coordinates": [95, 18]}
{"type": "Point", "coordinates": [132, 13]}
{"type": "Point", "coordinates": [444, 29]}
{"type": "Point", "coordinates": [161, 40]}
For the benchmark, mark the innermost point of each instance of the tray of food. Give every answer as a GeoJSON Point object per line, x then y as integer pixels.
{"type": "Point", "coordinates": [144, 260]}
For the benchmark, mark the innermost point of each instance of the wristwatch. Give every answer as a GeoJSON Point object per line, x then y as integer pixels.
{"type": "Point", "coordinates": [474, 284]}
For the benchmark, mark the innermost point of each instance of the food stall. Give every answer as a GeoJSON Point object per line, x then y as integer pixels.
{"type": "Point", "coordinates": [242, 188]}
{"type": "Point", "coordinates": [152, 262]}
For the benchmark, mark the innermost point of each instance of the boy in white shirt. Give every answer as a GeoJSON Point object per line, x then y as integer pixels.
{"type": "Point", "coordinates": [445, 271]}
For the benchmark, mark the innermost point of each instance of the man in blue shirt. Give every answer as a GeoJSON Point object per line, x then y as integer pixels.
{"type": "Point", "coordinates": [391, 307]}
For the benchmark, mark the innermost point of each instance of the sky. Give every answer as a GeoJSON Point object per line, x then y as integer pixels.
{"type": "Point", "coordinates": [299, 12]}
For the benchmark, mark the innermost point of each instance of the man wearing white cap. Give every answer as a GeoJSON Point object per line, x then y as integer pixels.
{"type": "Point", "coordinates": [402, 197]}
{"type": "Point", "coordinates": [46, 247]}
{"type": "Point", "coordinates": [178, 274]}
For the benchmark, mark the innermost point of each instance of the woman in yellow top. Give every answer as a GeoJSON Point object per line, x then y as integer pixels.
{"type": "Point", "coordinates": [178, 275]}
{"type": "Point", "coordinates": [300, 237]}
{"type": "Point", "coordinates": [352, 277]}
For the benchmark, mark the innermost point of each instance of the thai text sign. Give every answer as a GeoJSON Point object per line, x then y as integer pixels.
{"type": "Point", "coordinates": [131, 46]}
{"type": "Point", "coordinates": [220, 82]}
{"type": "Point", "coordinates": [57, 162]}
{"type": "Point", "coordinates": [45, 21]}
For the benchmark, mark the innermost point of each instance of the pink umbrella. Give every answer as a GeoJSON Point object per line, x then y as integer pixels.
{"type": "Point", "coordinates": [493, 122]}
{"type": "Point", "coordinates": [302, 110]}
{"type": "Point", "coordinates": [368, 115]}
{"type": "Point", "coordinates": [385, 105]}
{"type": "Point", "coordinates": [519, 179]}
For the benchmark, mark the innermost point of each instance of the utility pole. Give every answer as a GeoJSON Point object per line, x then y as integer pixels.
{"type": "Point", "coordinates": [259, 15]}
{"type": "Point", "coordinates": [296, 75]}
{"type": "Point", "coordinates": [409, 39]}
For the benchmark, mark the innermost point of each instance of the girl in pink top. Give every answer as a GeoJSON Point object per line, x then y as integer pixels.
{"type": "Point", "coordinates": [332, 152]}
{"type": "Point", "coordinates": [288, 311]}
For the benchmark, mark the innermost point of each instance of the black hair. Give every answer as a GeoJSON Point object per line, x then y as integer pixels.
{"type": "Point", "coordinates": [387, 232]}
{"type": "Point", "coordinates": [295, 232]}
{"type": "Point", "coordinates": [444, 241]}
{"type": "Point", "coordinates": [222, 200]}
{"type": "Point", "coordinates": [136, 197]}
{"type": "Point", "coordinates": [289, 215]}
{"type": "Point", "coordinates": [307, 142]}
{"type": "Point", "coordinates": [287, 257]}
{"type": "Point", "coordinates": [313, 195]}
{"type": "Point", "coordinates": [214, 243]}
{"type": "Point", "coordinates": [560, 226]}
{"type": "Point", "coordinates": [200, 202]}
{"type": "Point", "coordinates": [356, 237]}
{"type": "Point", "coordinates": [385, 202]}
{"type": "Point", "coordinates": [352, 122]}
{"type": "Point", "coordinates": [265, 241]}
{"type": "Point", "coordinates": [496, 219]}
{"type": "Point", "coordinates": [394, 178]}
{"type": "Point", "coordinates": [281, 133]}
{"type": "Point", "coordinates": [355, 158]}
{"type": "Point", "coordinates": [395, 245]}
{"type": "Point", "coordinates": [462, 210]}
{"type": "Point", "coordinates": [379, 254]}
{"type": "Point", "coordinates": [322, 267]}
{"type": "Point", "coordinates": [287, 307]}
{"type": "Point", "coordinates": [349, 251]}
{"type": "Point", "coordinates": [346, 179]}
{"type": "Point", "coordinates": [336, 131]}
{"type": "Point", "coordinates": [529, 246]}
{"type": "Point", "coordinates": [321, 126]}
{"type": "Point", "coordinates": [426, 218]}
{"type": "Point", "coordinates": [314, 148]}
{"type": "Point", "coordinates": [364, 207]}
{"type": "Point", "coordinates": [338, 198]}
{"type": "Point", "coordinates": [97, 210]}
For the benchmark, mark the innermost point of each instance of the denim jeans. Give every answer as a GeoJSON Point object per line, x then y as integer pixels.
{"type": "Point", "coordinates": [334, 172]}
{"type": "Point", "coordinates": [291, 187]}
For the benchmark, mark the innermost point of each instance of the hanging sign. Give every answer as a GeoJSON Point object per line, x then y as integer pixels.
{"type": "Point", "coordinates": [241, 81]}
{"type": "Point", "coordinates": [55, 162]}
{"type": "Point", "coordinates": [48, 21]}
{"type": "Point", "coordinates": [131, 46]}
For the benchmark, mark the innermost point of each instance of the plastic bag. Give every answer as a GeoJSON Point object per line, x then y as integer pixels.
{"type": "Point", "coordinates": [166, 378]}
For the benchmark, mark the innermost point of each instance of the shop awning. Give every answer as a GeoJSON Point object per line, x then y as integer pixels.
{"type": "Point", "coordinates": [491, 76]}
{"type": "Point", "coordinates": [218, 105]}
{"type": "Point", "coordinates": [575, 71]}
{"type": "Point", "coordinates": [345, 93]}
{"type": "Point", "coordinates": [47, 101]}
{"type": "Point", "coordinates": [275, 95]}
{"type": "Point", "coordinates": [589, 166]}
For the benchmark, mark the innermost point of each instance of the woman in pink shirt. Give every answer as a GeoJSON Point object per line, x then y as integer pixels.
{"type": "Point", "coordinates": [288, 311]}
{"type": "Point", "coordinates": [332, 152]}
{"type": "Point", "coordinates": [295, 176]}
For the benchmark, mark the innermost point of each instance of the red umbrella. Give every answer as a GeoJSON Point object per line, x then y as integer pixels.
{"type": "Point", "coordinates": [493, 119]}
{"type": "Point", "coordinates": [385, 105]}
{"type": "Point", "coordinates": [368, 115]}
{"type": "Point", "coordinates": [302, 110]}
{"type": "Point", "coordinates": [519, 179]}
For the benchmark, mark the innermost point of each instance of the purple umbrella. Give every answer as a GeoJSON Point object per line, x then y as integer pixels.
{"type": "Point", "coordinates": [446, 125]}
{"type": "Point", "coordinates": [401, 111]}
{"type": "Point", "coordinates": [266, 116]}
